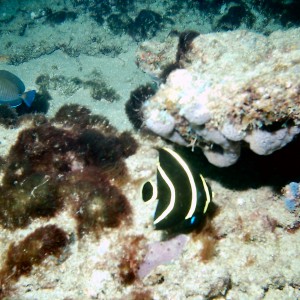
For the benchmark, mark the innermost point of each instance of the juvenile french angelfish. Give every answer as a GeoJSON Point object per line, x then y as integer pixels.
{"type": "Point", "coordinates": [183, 195]}
{"type": "Point", "coordinates": [12, 90]}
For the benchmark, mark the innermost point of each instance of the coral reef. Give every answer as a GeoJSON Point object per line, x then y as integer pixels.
{"type": "Point", "coordinates": [91, 173]}
{"type": "Point", "coordinates": [232, 89]}
{"type": "Point", "coordinates": [153, 57]}
{"type": "Point", "coordinates": [131, 19]}
{"type": "Point", "coordinates": [72, 221]}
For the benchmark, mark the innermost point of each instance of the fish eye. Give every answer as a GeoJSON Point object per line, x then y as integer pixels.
{"type": "Point", "coordinates": [147, 191]}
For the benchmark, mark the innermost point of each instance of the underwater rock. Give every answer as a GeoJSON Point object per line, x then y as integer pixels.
{"type": "Point", "coordinates": [8, 116]}
{"type": "Point", "coordinates": [153, 57]}
{"type": "Point", "coordinates": [98, 17]}
{"type": "Point", "coordinates": [285, 11]}
{"type": "Point", "coordinates": [119, 23]}
{"type": "Point", "coordinates": [232, 87]}
{"type": "Point", "coordinates": [233, 16]}
{"type": "Point", "coordinates": [145, 25]}
{"type": "Point", "coordinates": [98, 11]}
{"type": "Point", "coordinates": [59, 17]}
{"type": "Point", "coordinates": [124, 5]}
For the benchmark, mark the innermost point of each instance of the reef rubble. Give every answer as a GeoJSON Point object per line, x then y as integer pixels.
{"type": "Point", "coordinates": [228, 89]}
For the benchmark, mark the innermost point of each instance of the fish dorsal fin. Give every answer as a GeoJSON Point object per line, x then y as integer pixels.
{"type": "Point", "coordinates": [13, 78]}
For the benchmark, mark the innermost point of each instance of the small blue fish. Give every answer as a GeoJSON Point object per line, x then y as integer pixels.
{"type": "Point", "coordinates": [12, 90]}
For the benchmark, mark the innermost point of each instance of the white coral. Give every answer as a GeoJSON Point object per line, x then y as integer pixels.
{"type": "Point", "coordinates": [230, 86]}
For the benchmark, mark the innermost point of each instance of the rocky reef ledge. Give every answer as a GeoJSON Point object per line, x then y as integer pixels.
{"type": "Point", "coordinates": [226, 90]}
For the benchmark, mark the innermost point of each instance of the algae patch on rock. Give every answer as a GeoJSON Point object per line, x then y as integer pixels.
{"type": "Point", "coordinates": [51, 160]}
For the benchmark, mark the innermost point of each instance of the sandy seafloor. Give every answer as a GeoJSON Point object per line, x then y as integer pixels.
{"type": "Point", "coordinates": [256, 257]}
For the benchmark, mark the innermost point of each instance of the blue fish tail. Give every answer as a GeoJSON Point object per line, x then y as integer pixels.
{"type": "Point", "coordinates": [28, 97]}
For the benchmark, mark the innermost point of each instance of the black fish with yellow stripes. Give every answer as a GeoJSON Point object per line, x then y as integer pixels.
{"type": "Point", "coordinates": [183, 195]}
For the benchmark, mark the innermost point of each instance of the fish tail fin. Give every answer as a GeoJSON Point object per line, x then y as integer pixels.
{"type": "Point", "coordinates": [28, 97]}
